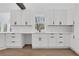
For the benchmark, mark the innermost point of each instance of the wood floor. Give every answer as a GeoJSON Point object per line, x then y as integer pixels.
{"type": "Point", "coordinates": [28, 51]}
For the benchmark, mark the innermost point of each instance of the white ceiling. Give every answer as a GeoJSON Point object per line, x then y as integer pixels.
{"type": "Point", "coordinates": [5, 7]}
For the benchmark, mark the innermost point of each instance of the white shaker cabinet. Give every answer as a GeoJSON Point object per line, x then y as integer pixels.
{"type": "Point", "coordinates": [27, 17]}
{"type": "Point", "coordinates": [14, 40]}
{"type": "Point", "coordinates": [39, 41]}
{"type": "Point", "coordinates": [63, 17]}
{"type": "Point", "coordinates": [52, 40]}
{"type": "Point", "coordinates": [50, 17]}
{"type": "Point", "coordinates": [63, 40]}
{"type": "Point", "coordinates": [2, 41]}
{"type": "Point", "coordinates": [75, 40]}
{"type": "Point", "coordinates": [16, 17]}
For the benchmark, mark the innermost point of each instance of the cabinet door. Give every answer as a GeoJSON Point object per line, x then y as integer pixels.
{"type": "Point", "coordinates": [35, 41]}
{"type": "Point", "coordinates": [16, 17]}
{"type": "Point", "coordinates": [50, 17]}
{"type": "Point", "coordinates": [14, 40]}
{"type": "Point", "coordinates": [75, 41]}
{"type": "Point", "coordinates": [70, 17]}
{"type": "Point", "coordinates": [52, 40]}
{"type": "Point", "coordinates": [76, 20]}
{"type": "Point", "coordinates": [57, 16]}
{"type": "Point", "coordinates": [43, 41]}
{"type": "Point", "coordinates": [39, 41]}
{"type": "Point", "coordinates": [63, 17]}
{"type": "Point", "coordinates": [2, 41]}
{"type": "Point", "coordinates": [27, 18]}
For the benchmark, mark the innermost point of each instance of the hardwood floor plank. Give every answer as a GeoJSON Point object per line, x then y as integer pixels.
{"type": "Point", "coordinates": [28, 51]}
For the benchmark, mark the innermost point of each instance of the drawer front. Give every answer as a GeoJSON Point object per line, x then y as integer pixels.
{"type": "Point", "coordinates": [10, 38]}
{"type": "Point", "coordinates": [14, 43]}
{"type": "Point", "coordinates": [13, 34]}
{"type": "Point", "coordinates": [60, 43]}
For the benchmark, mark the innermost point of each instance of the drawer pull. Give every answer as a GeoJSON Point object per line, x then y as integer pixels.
{"type": "Point", "coordinates": [53, 22]}
{"type": "Point", "coordinates": [13, 33]}
{"type": "Point", "coordinates": [52, 37]}
{"type": "Point", "coordinates": [15, 23]}
{"type": "Point", "coordinates": [52, 33]}
{"type": "Point", "coordinates": [60, 37]}
{"type": "Point", "coordinates": [73, 36]}
{"type": "Point", "coordinates": [26, 22]}
{"type": "Point", "coordinates": [60, 42]}
{"type": "Point", "coordinates": [40, 39]}
{"type": "Point", "coordinates": [13, 41]}
{"type": "Point", "coordinates": [60, 34]}
{"type": "Point", "coordinates": [60, 22]}
{"type": "Point", "coordinates": [13, 36]}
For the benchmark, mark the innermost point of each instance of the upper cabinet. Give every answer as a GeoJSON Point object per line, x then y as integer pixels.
{"type": "Point", "coordinates": [27, 17]}
{"type": "Point", "coordinates": [21, 17]}
{"type": "Point", "coordinates": [59, 17]}
{"type": "Point", "coordinates": [16, 17]}
{"type": "Point", "coordinates": [52, 16]}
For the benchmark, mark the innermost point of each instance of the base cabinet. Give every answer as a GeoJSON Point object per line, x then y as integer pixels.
{"type": "Point", "coordinates": [54, 40]}
{"type": "Point", "coordinates": [14, 40]}
{"type": "Point", "coordinates": [2, 41]}
{"type": "Point", "coordinates": [39, 41]}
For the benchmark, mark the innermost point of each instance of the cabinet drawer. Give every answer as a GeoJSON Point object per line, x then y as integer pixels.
{"type": "Point", "coordinates": [10, 38]}
{"type": "Point", "coordinates": [13, 34]}
{"type": "Point", "coordinates": [13, 43]}
{"type": "Point", "coordinates": [60, 43]}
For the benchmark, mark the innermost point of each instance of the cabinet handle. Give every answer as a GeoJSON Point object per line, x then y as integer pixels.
{"type": "Point", "coordinates": [26, 22]}
{"type": "Point", "coordinates": [13, 36]}
{"type": "Point", "coordinates": [60, 37]}
{"type": "Point", "coordinates": [60, 22]}
{"type": "Point", "coordinates": [73, 22]}
{"type": "Point", "coordinates": [60, 42]}
{"type": "Point", "coordinates": [60, 34]}
{"type": "Point", "coordinates": [15, 23]}
{"type": "Point", "coordinates": [53, 22]}
{"type": "Point", "coordinates": [52, 33]}
{"type": "Point", "coordinates": [13, 33]}
{"type": "Point", "coordinates": [40, 39]}
{"type": "Point", "coordinates": [73, 36]}
{"type": "Point", "coordinates": [52, 37]}
{"type": "Point", "coordinates": [13, 41]}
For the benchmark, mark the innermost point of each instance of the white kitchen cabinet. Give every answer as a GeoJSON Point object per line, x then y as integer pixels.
{"type": "Point", "coordinates": [70, 18]}
{"type": "Point", "coordinates": [76, 20]}
{"type": "Point", "coordinates": [27, 18]}
{"type": "Point", "coordinates": [62, 17]}
{"type": "Point", "coordinates": [35, 41]}
{"type": "Point", "coordinates": [50, 17]}
{"type": "Point", "coordinates": [63, 40]}
{"type": "Point", "coordinates": [14, 40]}
{"type": "Point", "coordinates": [39, 41]}
{"type": "Point", "coordinates": [75, 40]}
{"type": "Point", "coordinates": [16, 17]}
{"type": "Point", "coordinates": [52, 40]}
{"type": "Point", "coordinates": [2, 41]}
